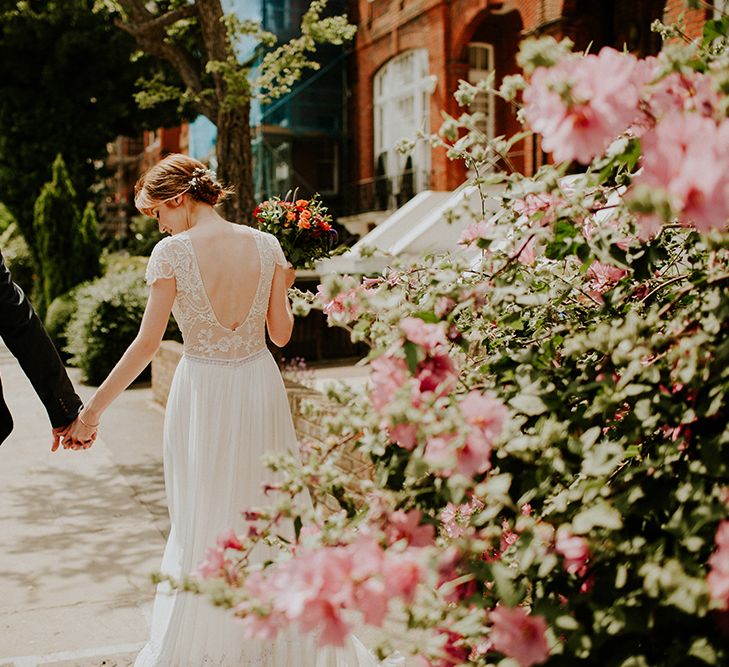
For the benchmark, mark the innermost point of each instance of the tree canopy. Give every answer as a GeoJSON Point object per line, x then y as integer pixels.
{"type": "Point", "coordinates": [67, 83]}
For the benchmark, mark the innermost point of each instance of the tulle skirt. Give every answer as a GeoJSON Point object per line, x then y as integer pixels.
{"type": "Point", "coordinates": [221, 418]}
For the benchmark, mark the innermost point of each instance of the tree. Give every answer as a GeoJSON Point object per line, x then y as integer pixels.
{"type": "Point", "coordinates": [66, 86]}
{"type": "Point", "coordinates": [199, 41]}
{"type": "Point", "coordinates": [67, 245]}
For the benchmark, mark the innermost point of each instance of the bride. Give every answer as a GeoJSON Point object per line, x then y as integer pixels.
{"type": "Point", "coordinates": [226, 285]}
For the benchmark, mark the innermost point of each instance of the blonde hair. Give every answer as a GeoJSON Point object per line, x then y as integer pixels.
{"type": "Point", "coordinates": [173, 176]}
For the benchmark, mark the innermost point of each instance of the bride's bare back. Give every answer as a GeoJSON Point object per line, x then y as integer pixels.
{"type": "Point", "coordinates": [224, 280]}
{"type": "Point", "coordinates": [230, 268]}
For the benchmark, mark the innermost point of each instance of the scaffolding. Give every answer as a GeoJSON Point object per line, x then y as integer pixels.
{"type": "Point", "coordinates": [297, 139]}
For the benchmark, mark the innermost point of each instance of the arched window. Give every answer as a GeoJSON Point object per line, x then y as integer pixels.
{"type": "Point", "coordinates": [401, 100]}
{"type": "Point", "coordinates": [480, 64]}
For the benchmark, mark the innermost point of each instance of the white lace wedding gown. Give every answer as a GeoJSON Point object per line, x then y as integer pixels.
{"type": "Point", "coordinates": [227, 406]}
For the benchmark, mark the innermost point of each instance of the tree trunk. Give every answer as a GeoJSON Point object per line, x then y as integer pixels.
{"type": "Point", "coordinates": [235, 166]}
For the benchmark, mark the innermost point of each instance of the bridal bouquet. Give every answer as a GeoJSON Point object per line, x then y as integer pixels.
{"type": "Point", "coordinates": [302, 227]}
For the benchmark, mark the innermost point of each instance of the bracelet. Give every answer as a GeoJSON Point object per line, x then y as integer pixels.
{"type": "Point", "coordinates": [87, 425]}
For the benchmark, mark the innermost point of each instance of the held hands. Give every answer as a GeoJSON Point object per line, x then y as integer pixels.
{"type": "Point", "coordinates": [80, 434]}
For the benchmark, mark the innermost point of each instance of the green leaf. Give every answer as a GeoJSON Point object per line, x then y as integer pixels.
{"type": "Point", "coordinates": [602, 515]}
{"type": "Point", "coordinates": [528, 404]}
{"type": "Point", "coordinates": [411, 355]}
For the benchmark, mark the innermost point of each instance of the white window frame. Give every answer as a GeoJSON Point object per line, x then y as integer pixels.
{"type": "Point", "coordinates": [403, 82]}
{"type": "Point", "coordinates": [486, 102]}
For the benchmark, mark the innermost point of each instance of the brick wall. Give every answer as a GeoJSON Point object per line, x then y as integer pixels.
{"type": "Point", "coordinates": [390, 27]}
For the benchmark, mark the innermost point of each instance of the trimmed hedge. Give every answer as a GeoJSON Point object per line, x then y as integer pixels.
{"type": "Point", "coordinates": [59, 316]}
{"type": "Point", "coordinates": [108, 314]}
{"type": "Point", "coordinates": [18, 258]}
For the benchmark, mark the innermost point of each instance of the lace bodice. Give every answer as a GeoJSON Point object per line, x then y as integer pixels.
{"type": "Point", "coordinates": [203, 335]}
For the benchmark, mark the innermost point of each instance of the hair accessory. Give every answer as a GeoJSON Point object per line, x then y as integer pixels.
{"type": "Point", "coordinates": [198, 174]}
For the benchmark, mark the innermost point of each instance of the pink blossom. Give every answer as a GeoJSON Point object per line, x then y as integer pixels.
{"type": "Point", "coordinates": [526, 249]}
{"type": "Point", "coordinates": [581, 104]}
{"type": "Point", "coordinates": [508, 537]}
{"type": "Point", "coordinates": [428, 336]}
{"type": "Point", "coordinates": [474, 457]}
{"type": "Point", "coordinates": [372, 599]}
{"type": "Point", "coordinates": [538, 202]}
{"type": "Point", "coordinates": [603, 276]}
{"type": "Point", "coordinates": [443, 306]}
{"type": "Point", "coordinates": [455, 517]}
{"type": "Point", "coordinates": [718, 578]}
{"type": "Point", "coordinates": [684, 91]}
{"type": "Point", "coordinates": [675, 155]}
{"type": "Point", "coordinates": [343, 307]}
{"type": "Point", "coordinates": [440, 453]}
{"type": "Point", "coordinates": [402, 574]}
{"type": "Point", "coordinates": [436, 374]}
{"type": "Point", "coordinates": [389, 374]}
{"type": "Point", "coordinates": [229, 540]}
{"type": "Point", "coordinates": [216, 566]}
{"type": "Point", "coordinates": [474, 232]}
{"type": "Point", "coordinates": [318, 585]}
{"type": "Point", "coordinates": [213, 564]}
{"type": "Point", "coordinates": [403, 434]}
{"type": "Point", "coordinates": [406, 525]}
{"type": "Point", "coordinates": [322, 615]}
{"type": "Point", "coordinates": [574, 550]}
{"type": "Point", "coordinates": [520, 636]}
{"type": "Point", "coordinates": [485, 412]}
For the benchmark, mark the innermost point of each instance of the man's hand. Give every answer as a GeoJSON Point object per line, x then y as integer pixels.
{"type": "Point", "coordinates": [58, 434]}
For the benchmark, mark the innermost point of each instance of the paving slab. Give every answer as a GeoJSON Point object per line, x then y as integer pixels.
{"type": "Point", "coordinates": [81, 533]}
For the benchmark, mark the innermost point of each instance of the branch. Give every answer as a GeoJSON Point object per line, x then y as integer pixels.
{"type": "Point", "coordinates": [157, 23]}
{"type": "Point", "coordinates": [149, 32]}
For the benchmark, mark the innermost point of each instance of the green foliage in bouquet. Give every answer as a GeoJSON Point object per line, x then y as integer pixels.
{"type": "Point", "coordinates": [302, 226]}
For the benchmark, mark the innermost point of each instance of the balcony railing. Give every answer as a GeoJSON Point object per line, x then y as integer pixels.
{"type": "Point", "coordinates": [382, 193]}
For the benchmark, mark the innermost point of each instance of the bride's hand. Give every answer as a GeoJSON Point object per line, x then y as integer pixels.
{"type": "Point", "coordinates": [81, 434]}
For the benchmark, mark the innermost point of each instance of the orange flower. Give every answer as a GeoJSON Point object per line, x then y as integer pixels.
{"type": "Point", "coordinates": [302, 203]}
{"type": "Point", "coordinates": [304, 224]}
{"type": "Point", "coordinates": [305, 214]}
{"type": "Point", "coordinates": [291, 216]}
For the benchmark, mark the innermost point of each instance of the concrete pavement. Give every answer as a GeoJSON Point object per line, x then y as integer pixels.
{"type": "Point", "coordinates": [80, 533]}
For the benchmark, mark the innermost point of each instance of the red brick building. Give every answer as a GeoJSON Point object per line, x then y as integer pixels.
{"type": "Point", "coordinates": [410, 54]}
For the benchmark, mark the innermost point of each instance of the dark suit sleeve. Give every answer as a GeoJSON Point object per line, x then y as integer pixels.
{"type": "Point", "coordinates": [23, 333]}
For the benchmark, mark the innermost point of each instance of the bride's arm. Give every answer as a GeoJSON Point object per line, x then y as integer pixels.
{"type": "Point", "coordinates": [138, 354]}
{"type": "Point", "coordinates": [280, 319]}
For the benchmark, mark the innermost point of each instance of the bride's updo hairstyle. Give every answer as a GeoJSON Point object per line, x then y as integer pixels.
{"type": "Point", "coordinates": [173, 176]}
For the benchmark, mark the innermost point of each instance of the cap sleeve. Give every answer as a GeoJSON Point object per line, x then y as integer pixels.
{"type": "Point", "coordinates": [278, 254]}
{"type": "Point", "coordinates": [160, 263]}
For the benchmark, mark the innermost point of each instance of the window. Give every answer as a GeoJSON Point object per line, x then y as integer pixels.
{"type": "Point", "coordinates": [402, 107]}
{"type": "Point", "coordinates": [480, 64]}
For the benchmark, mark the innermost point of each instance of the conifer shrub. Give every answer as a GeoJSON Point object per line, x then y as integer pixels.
{"type": "Point", "coordinates": [67, 244]}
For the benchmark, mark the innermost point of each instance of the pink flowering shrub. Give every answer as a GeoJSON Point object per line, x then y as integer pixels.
{"type": "Point", "coordinates": [544, 427]}
{"type": "Point", "coordinates": [583, 102]}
